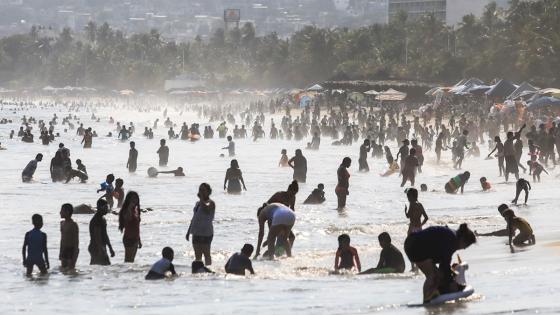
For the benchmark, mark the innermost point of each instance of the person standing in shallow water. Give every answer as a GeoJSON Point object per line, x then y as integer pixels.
{"type": "Point", "coordinates": [201, 227]}
{"type": "Point", "coordinates": [299, 164]}
{"type": "Point", "coordinates": [163, 153]}
{"type": "Point", "coordinates": [362, 161]}
{"type": "Point", "coordinates": [343, 176]}
{"type": "Point", "coordinates": [132, 162]}
{"type": "Point", "coordinates": [99, 239]}
{"type": "Point", "coordinates": [129, 225]}
{"type": "Point", "coordinates": [234, 179]}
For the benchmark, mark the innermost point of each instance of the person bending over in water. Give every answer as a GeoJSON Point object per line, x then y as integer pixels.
{"type": "Point", "coordinates": [35, 245]}
{"type": "Point", "coordinates": [162, 266]}
{"type": "Point", "coordinates": [234, 179]}
{"type": "Point", "coordinates": [391, 259]}
{"type": "Point", "coordinates": [317, 196]}
{"type": "Point", "coordinates": [343, 184]}
{"type": "Point", "coordinates": [521, 185]}
{"type": "Point", "coordinates": [515, 223]}
{"type": "Point", "coordinates": [99, 239]}
{"type": "Point", "coordinates": [29, 170]}
{"type": "Point", "coordinates": [69, 238]}
{"type": "Point", "coordinates": [436, 245]}
{"type": "Point", "coordinates": [346, 256]}
{"type": "Point", "coordinates": [485, 184]}
{"type": "Point", "coordinates": [178, 172]}
{"type": "Point", "coordinates": [457, 182]}
{"type": "Point", "coordinates": [280, 220]}
{"type": "Point", "coordinates": [129, 225]}
{"type": "Point", "coordinates": [201, 227]}
{"type": "Point", "coordinates": [239, 262]}
{"type": "Point", "coordinates": [283, 159]}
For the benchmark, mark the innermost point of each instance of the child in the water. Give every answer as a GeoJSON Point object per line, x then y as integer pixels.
{"type": "Point", "coordinates": [35, 246]}
{"type": "Point", "coordinates": [163, 266]}
{"type": "Point", "coordinates": [108, 188]}
{"type": "Point", "coordinates": [284, 159]}
{"type": "Point", "coordinates": [459, 270]}
{"type": "Point", "coordinates": [119, 192]}
{"type": "Point", "coordinates": [317, 196]}
{"type": "Point", "coordinates": [485, 184]}
{"type": "Point", "coordinates": [346, 255]}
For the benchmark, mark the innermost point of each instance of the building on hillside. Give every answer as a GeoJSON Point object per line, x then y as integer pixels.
{"type": "Point", "coordinates": [417, 8]}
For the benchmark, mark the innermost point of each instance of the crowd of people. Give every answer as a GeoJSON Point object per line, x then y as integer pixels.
{"type": "Point", "coordinates": [459, 127]}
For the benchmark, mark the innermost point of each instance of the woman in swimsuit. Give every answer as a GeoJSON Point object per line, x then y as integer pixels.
{"type": "Point", "coordinates": [234, 179]}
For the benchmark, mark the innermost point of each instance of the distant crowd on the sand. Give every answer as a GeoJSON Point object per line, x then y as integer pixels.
{"type": "Point", "coordinates": [431, 249]}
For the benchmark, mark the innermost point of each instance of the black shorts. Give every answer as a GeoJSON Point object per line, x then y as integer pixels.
{"type": "Point", "coordinates": [412, 250]}
{"type": "Point", "coordinates": [203, 240]}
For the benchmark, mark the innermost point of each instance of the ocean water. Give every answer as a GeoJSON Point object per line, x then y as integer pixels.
{"type": "Point", "coordinates": [527, 281]}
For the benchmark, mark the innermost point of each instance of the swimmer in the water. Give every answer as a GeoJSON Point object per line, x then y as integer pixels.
{"type": "Point", "coordinates": [178, 172]}
{"type": "Point", "coordinates": [163, 153]}
{"type": "Point", "coordinates": [132, 162]}
{"type": "Point", "coordinates": [69, 238]}
{"type": "Point", "coordinates": [163, 266]}
{"type": "Point", "coordinates": [239, 262]}
{"type": "Point", "coordinates": [34, 249]}
{"type": "Point", "coordinates": [536, 169]}
{"type": "Point", "coordinates": [29, 170]}
{"type": "Point", "coordinates": [118, 193]}
{"type": "Point", "coordinates": [410, 164]}
{"type": "Point", "coordinates": [280, 220]}
{"type": "Point", "coordinates": [108, 188]}
{"type": "Point", "coordinates": [284, 159]}
{"type": "Point", "coordinates": [288, 197]}
{"type": "Point", "coordinates": [343, 184]}
{"type": "Point", "coordinates": [346, 256]}
{"type": "Point", "coordinates": [521, 185]}
{"type": "Point", "coordinates": [457, 182]}
{"type": "Point", "coordinates": [99, 239]}
{"type": "Point", "coordinates": [432, 250]}
{"type": "Point", "coordinates": [515, 223]}
{"type": "Point", "coordinates": [415, 212]}
{"type": "Point", "coordinates": [391, 259]}
{"type": "Point", "coordinates": [485, 184]}
{"type": "Point", "coordinates": [234, 178]}
{"type": "Point", "coordinates": [423, 187]}
{"type": "Point", "coordinates": [317, 196]}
